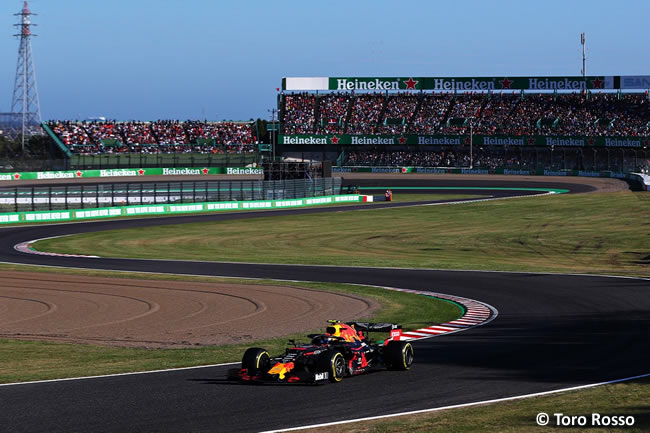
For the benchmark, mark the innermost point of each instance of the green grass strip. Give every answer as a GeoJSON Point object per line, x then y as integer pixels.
{"type": "Point", "coordinates": [603, 233]}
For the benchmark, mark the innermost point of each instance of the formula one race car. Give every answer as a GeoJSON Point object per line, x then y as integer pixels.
{"type": "Point", "coordinates": [343, 350]}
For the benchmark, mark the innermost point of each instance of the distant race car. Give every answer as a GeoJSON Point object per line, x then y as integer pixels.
{"type": "Point", "coordinates": [343, 350]}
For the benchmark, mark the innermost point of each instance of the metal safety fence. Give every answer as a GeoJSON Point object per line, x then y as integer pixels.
{"type": "Point", "coordinates": [82, 196]}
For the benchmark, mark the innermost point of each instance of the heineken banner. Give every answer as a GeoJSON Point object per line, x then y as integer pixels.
{"type": "Point", "coordinates": [380, 84]}
{"type": "Point", "coordinates": [453, 140]}
{"type": "Point", "coordinates": [127, 172]}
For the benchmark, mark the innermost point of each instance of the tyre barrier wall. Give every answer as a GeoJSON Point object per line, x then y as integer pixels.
{"type": "Point", "coordinates": [641, 179]}
{"type": "Point", "coordinates": [172, 209]}
{"type": "Point", "coordinates": [128, 172]}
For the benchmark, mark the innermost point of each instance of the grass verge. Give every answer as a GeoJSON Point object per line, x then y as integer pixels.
{"type": "Point", "coordinates": [603, 233]}
{"type": "Point", "coordinates": [621, 399]}
{"type": "Point", "coordinates": [22, 361]}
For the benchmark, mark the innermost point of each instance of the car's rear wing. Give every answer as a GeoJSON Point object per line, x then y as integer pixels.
{"type": "Point", "coordinates": [394, 329]}
{"type": "Point", "coordinates": [374, 327]}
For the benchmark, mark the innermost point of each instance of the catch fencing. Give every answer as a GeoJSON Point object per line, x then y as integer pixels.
{"type": "Point", "coordinates": [83, 196]}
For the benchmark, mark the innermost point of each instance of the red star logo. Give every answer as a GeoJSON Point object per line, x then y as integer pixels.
{"type": "Point", "coordinates": [335, 140]}
{"type": "Point", "coordinates": [79, 173]}
{"type": "Point", "coordinates": [205, 171]}
{"type": "Point", "coordinates": [506, 84]}
{"type": "Point", "coordinates": [401, 140]}
{"type": "Point", "coordinates": [411, 83]}
{"type": "Point", "coordinates": [591, 142]}
{"type": "Point", "coordinates": [141, 172]}
{"type": "Point", "coordinates": [17, 176]}
{"type": "Point", "coordinates": [597, 83]}
{"type": "Point", "coordinates": [467, 140]}
{"type": "Point", "coordinates": [531, 141]}
{"type": "Point", "coordinates": [645, 143]}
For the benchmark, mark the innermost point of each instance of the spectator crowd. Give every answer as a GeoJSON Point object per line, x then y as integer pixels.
{"type": "Point", "coordinates": [559, 114]}
{"type": "Point", "coordinates": [333, 110]}
{"type": "Point", "coordinates": [442, 158]}
{"type": "Point", "coordinates": [620, 159]}
{"type": "Point", "coordinates": [161, 136]}
{"type": "Point", "coordinates": [590, 114]}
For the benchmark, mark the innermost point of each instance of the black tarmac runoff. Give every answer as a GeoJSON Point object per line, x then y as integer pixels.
{"type": "Point", "coordinates": [552, 332]}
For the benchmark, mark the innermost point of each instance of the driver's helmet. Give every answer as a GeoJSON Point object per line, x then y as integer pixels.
{"type": "Point", "coordinates": [344, 331]}
{"type": "Point", "coordinates": [322, 339]}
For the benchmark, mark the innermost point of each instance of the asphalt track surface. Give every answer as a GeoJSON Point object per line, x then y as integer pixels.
{"type": "Point", "coordinates": [552, 332]}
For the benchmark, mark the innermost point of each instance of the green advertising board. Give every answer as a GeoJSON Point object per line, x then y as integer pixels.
{"type": "Point", "coordinates": [454, 140]}
{"type": "Point", "coordinates": [507, 171]}
{"type": "Point", "coordinates": [167, 209]}
{"type": "Point", "coordinates": [131, 172]}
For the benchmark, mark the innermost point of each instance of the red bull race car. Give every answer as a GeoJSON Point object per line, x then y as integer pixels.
{"type": "Point", "coordinates": [343, 350]}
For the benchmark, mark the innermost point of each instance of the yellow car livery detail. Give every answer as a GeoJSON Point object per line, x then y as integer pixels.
{"type": "Point", "coordinates": [281, 369]}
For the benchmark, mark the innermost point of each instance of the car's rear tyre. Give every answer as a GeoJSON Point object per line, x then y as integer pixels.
{"type": "Point", "coordinates": [256, 361]}
{"type": "Point", "coordinates": [399, 355]}
{"type": "Point", "coordinates": [333, 363]}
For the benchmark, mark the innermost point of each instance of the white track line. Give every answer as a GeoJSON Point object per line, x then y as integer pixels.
{"type": "Point", "coordinates": [457, 406]}
{"type": "Point", "coordinates": [116, 374]}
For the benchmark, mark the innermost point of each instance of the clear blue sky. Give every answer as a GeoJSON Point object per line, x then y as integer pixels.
{"type": "Point", "coordinates": [195, 59]}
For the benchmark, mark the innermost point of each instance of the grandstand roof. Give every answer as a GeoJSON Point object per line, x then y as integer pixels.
{"type": "Point", "coordinates": [568, 83]}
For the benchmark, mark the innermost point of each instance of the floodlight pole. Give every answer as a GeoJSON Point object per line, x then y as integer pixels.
{"type": "Point", "coordinates": [471, 142]}
{"type": "Point", "coordinates": [584, 54]}
{"type": "Point", "coordinates": [273, 112]}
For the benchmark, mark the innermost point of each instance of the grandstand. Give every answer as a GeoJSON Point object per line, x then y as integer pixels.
{"type": "Point", "coordinates": [513, 114]}
{"type": "Point", "coordinates": [579, 123]}
{"type": "Point", "coordinates": [108, 143]}
{"type": "Point", "coordinates": [161, 136]}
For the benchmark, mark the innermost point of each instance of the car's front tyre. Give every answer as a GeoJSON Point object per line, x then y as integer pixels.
{"type": "Point", "coordinates": [256, 361]}
{"type": "Point", "coordinates": [333, 363]}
